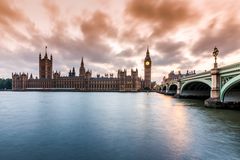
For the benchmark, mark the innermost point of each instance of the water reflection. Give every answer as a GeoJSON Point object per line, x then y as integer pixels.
{"type": "Point", "coordinates": [114, 126]}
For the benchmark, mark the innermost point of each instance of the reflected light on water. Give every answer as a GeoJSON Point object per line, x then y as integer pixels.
{"type": "Point", "coordinates": [179, 135]}
{"type": "Point", "coordinates": [114, 126]}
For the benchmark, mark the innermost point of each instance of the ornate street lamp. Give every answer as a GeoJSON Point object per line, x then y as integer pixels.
{"type": "Point", "coordinates": [215, 54]}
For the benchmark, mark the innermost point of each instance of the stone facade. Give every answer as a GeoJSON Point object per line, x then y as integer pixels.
{"type": "Point", "coordinates": [84, 82]}
{"type": "Point", "coordinates": [172, 76]}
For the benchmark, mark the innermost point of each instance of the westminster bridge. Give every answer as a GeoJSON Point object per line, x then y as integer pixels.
{"type": "Point", "coordinates": [221, 85]}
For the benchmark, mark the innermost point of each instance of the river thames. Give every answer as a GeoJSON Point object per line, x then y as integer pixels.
{"type": "Point", "coordinates": [114, 126]}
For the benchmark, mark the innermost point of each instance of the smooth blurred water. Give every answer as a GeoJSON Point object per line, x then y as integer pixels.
{"type": "Point", "coordinates": [114, 126]}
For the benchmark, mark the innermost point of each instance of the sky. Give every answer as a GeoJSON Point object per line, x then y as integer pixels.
{"type": "Point", "coordinates": [113, 34]}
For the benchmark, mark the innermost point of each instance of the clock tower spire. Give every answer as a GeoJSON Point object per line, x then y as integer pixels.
{"type": "Point", "coordinates": [147, 70]}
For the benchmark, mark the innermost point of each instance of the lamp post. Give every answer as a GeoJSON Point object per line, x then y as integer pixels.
{"type": "Point", "coordinates": [214, 100]}
{"type": "Point", "coordinates": [215, 54]}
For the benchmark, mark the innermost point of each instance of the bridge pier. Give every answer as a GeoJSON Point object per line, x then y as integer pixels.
{"type": "Point", "coordinates": [167, 89]}
{"type": "Point", "coordinates": [214, 100]}
{"type": "Point", "coordinates": [178, 94]}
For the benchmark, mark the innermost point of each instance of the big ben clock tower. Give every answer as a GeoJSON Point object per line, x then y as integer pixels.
{"type": "Point", "coordinates": [147, 70]}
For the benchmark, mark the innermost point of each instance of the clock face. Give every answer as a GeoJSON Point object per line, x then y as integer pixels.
{"type": "Point", "coordinates": [147, 63]}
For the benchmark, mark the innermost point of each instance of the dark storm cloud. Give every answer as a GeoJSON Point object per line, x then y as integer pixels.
{"type": "Point", "coordinates": [163, 16]}
{"type": "Point", "coordinates": [225, 37]}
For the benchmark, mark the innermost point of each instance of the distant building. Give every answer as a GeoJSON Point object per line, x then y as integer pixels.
{"type": "Point", "coordinates": [172, 76]}
{"type": "Point", "coordinates": [49, 80]}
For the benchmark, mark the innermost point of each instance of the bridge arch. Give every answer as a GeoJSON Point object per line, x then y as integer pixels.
{"type": "Point", "coordinates": [173, 86]}
{"type": "Point", "coordinates": [172, 90]}
{"type": "Point", "coordinates": [196, 88]}
{"type": "Point", "coordinates": [160, 88]}
{"type": "Point", "coordinates": [164, 89]}
{"type": "Point", "coordinates": [230, 85]}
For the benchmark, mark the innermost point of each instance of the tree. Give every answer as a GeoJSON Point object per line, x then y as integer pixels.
{"type": "Point", "coordinates": [5, 84]}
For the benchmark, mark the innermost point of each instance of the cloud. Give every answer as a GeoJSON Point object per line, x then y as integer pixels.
{"type": "Point", "coordinates": [97, 27]}
{"type": "Point", "coordinates": [20, 60]}
{"type": "Point", "coordinates": [162, 16]}
{"type": "Point", "coordinates": [126, 53]}
{"type": "Point", "coordinates": [52, 9]}
{"type": "Point", "coordinates": [10, 19]}
{"type": "Point", "coordinates": [223, 35]}
{"type": "Point", "coordinates": [10, 13]}
{"type": "Point", "coordinates": [169, 53]}
{"type": "Point", "coordinates": [14, 25]}
{"type": "Point", "coordinates": [131, 53]}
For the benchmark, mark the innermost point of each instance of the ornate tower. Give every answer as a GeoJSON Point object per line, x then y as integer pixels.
{"type": "Point", "coordinates": [134, 76]}
{"type": "Point", "coordinates": [45, 66]}
{"type": "Point", "coordinates": [147, 70]}
{"type": "Point", "coordinates": [73, 72]}
{"type": "Point", "coordinates": [82, 69]}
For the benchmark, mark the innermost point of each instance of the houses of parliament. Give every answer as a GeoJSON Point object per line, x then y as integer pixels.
{"type": "Point", "coordinates": [49, 80]}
